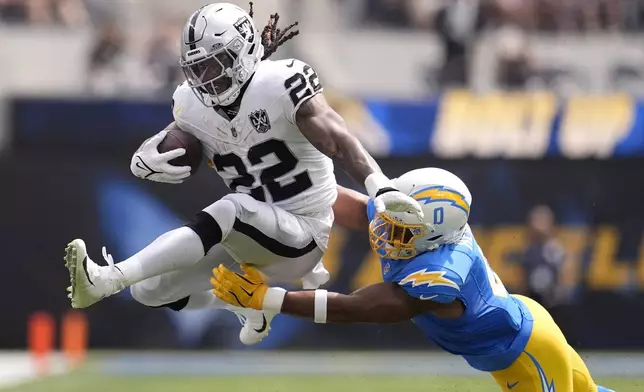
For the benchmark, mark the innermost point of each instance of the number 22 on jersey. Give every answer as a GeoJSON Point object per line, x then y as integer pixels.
{"type": "Point", "coordinates": [300, 86]}
{"type": "Point", "coordinates": [268, 177]}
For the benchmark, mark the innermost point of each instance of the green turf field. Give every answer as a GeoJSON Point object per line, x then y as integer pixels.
{"type": "Point", "coordinates": [125, 371]}
{"type": "Point", "coordinates": [85, 381]}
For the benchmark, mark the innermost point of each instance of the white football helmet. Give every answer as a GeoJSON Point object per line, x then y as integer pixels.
{"type": "Point", "coordinates": [445, 201]}
{"type": "Point", "coordinates": [220, 50]}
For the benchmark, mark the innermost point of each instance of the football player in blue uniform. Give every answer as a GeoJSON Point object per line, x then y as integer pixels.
{"type": "Point", "coordinates": [436, 275]}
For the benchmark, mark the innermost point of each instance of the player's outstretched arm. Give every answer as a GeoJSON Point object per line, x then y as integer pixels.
{"type": "Point", "coordinates": [326, 130]}
{"type": "Point", "coordinates": [380, 303]}
{"type": "Point", "coordinates": [350, 209]}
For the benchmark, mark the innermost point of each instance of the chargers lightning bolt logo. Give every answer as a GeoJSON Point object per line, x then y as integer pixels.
{"type": "Point", "coordinates": [431, 278]}
{"type": "Point", "coordinates": [440, 193]}
{"type": "Point", "coordinates": [545, 385]}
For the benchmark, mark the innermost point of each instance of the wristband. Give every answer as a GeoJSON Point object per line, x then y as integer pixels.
{"type": "Point", "coordinates": [320, 306]}
{"type": "Point", "coordinates": [273, 299]}
{"type": "Point", "coordinates": [385, 190]}
{"type": "Point", "coordinates": [377, 181]}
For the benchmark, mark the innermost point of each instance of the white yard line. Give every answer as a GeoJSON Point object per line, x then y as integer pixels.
{"type": "Point", "coordinates": [17, 368]}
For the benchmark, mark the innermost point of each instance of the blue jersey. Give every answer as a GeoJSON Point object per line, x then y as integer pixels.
{"type": "Point", "coordinates": [495, 327]}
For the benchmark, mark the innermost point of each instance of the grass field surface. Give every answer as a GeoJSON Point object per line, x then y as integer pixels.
{"type": "Point", "coordinates": [297, 372]}
{"type": "Point", "coordinates": [84, 381]}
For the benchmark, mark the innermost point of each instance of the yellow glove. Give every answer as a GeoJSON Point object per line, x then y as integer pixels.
{"type": "Point", "coordinates": [246, 290]}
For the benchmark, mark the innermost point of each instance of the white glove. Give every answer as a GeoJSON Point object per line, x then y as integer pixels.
{"type": "Point", "coordinates": [387, 198]}
{"type": "Point", "coordinates": [147, 163]}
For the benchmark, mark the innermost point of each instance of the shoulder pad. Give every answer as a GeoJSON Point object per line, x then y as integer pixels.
{"type": "Point", "coordinates": [298, 82]}
{"type": "Point", "coordinates": [181, 99]}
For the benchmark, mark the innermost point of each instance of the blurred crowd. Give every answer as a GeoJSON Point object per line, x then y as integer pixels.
{"type": "Point", "coordinates": [541, 15]}
{"type": "Point", "coordinates": [112, 69]}
{"type": "Point", "coordinates": [457, 23]}
{"type": "Point", "coordinates": [71, 13]}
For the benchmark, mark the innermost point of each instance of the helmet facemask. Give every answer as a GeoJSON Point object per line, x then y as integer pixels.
{"type": "Point", "coordinates": [395, 240]}
{"type": "Point", "coordinates": [445, 204]}
{"type": "Point", "coordinates": [216, 78]}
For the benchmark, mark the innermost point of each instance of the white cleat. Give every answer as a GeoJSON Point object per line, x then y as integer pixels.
{"type": "Point", "coordinates": [256, 325]}
{"type": "Point", "coordinates": [90, 282]}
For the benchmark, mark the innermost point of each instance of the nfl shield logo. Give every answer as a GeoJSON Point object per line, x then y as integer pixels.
{"type": "Point", "coordinates": [259, 120]}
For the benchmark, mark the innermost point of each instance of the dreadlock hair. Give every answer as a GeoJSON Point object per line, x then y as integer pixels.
{"type": "Point", "coordinates": [272, 37]}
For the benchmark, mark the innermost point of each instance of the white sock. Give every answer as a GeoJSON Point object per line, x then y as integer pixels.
{"type": "Point", "coordinates": [173, 250]}
{"type": "Point", "coordinates": [207, 300]}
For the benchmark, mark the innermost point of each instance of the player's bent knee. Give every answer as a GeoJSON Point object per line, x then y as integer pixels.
{"type": "Point", "coordinates": [244, 204]}
{"type": "Point", "coordinates": [144, 296]}
{"type": "Point", "coordinates": [213, 224]}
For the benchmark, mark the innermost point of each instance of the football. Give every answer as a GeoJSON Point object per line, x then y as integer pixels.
{"type": "Point", "coordinates": [177, 138]}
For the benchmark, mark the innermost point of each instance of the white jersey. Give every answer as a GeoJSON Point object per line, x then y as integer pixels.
{"type": "Point", "coordinates": [261, 151]}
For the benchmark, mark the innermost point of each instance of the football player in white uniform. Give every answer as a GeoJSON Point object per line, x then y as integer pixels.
{"type": "Point", "coordinates": [270, 134]}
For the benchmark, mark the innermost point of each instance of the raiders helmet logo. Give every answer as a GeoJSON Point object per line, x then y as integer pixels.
{"type": "Point", "coordinates": [245, 29]}
{"type": "Point", "coordinates": [260, 121]}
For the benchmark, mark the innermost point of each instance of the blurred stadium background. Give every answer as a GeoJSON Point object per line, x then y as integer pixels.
{"type": "Point", "coordinates": [535, 104]}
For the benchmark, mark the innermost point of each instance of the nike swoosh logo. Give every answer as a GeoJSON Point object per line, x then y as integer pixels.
{"type": "Point", "coordinates": [291, 64]}
{"type": "Point", "coordinates": [430, 297]}
{"type": "Point", "coordinates": [264, 324]}
{"type": "Point", "coordinates": [510, 386]}
{"type": "Point", "coordinates": [87, 273]}
{"type": "Point", "coordinates": [145, 167]}
{"type": "Point", "coordinates": [141, 166]}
